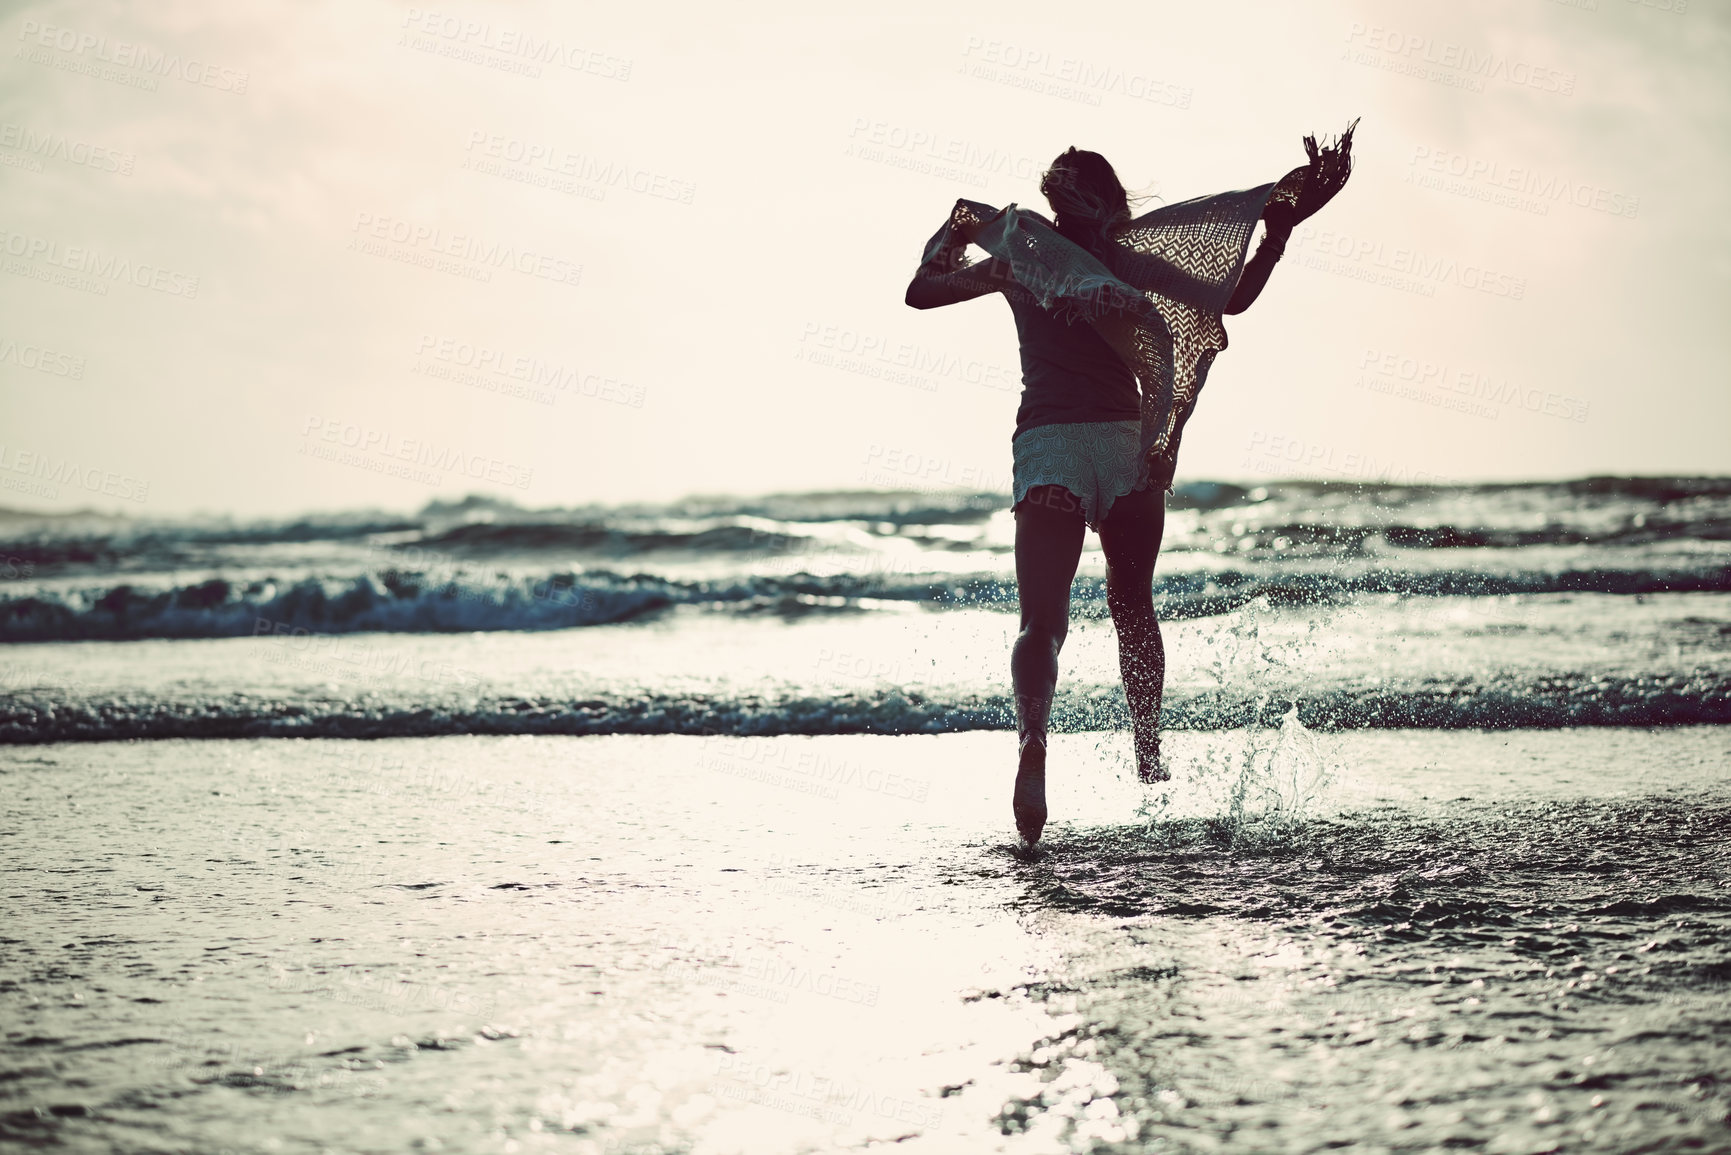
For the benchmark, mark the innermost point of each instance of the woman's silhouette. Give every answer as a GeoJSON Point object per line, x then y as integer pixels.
{"type": "Point", "coordinates": [1104, 303]}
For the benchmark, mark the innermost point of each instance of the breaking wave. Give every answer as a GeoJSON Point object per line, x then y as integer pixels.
{"type": "Point", "coordinates": [398, 602]}
{"type": "Point", "coordinates": [1498, 703]}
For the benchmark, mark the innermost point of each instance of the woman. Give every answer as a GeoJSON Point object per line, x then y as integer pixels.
{"type": "Point", "coordinates": [1102, 303]}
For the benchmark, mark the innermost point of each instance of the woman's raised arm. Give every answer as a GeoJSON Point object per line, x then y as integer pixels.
{"type": "Point", "coordinates": [946, 276]}
{"type": "Point", "coordinates": [1301, 193]}
{"type": "Point", "coordinates": [1257, 269]}
{"type": "Point", "coordinates": [932, 286]}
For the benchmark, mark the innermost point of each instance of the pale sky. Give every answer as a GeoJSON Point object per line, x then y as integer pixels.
{"type": "Point", "coordinates": [239, 235]}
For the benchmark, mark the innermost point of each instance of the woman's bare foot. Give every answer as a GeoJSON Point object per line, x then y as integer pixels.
{"type": "Point", "coordinates": [1029, 801]}
{"type": "Point", "coordinates": [1150, 764]}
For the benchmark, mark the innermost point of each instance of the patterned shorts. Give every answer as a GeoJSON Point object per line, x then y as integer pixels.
{"type": "Point", "coordinates": [1097, 461]}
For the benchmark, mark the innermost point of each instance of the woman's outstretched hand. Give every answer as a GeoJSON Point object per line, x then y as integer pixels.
{"type": "Point", "coordinates": [1280, 218]}
{"type": "Point", "coordinates": [968, 220]}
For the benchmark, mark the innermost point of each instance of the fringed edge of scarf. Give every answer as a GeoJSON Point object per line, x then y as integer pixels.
{"type": "Point", "coordinates": [1330, 166]}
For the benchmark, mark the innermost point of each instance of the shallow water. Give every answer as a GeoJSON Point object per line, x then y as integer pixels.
{"type": "Point", "coordinates": [686, 829]}
{"type": "Point", "coordinates": [1400, 940]}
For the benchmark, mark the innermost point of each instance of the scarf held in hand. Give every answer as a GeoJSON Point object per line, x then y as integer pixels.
{"type": "Point", "coordinates": [1158, 297]}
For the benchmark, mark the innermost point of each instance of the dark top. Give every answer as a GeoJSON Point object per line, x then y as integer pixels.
{"type": "Point", "coordinates": [1069, 373]}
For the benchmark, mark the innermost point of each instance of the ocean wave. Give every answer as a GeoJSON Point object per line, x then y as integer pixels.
{"type": "Point", "coordinates": [1280, 517]}
{"type": "Point", "coordinates": [1700, 697]}
{"type": "Point", "coordinates": [72, 540]}
{"type": "Point", "coordinates": [1347, 540]}
{"type": "Point", "coordinates": [389, 602]}
{"type": "Point", "coordinates": [404, 602]}
{"type": "Point", "coordinates": [595, 537]}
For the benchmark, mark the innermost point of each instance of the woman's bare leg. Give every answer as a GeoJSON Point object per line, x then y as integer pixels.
{"type": "Point", "coordinates": [1130, 537]}
{"type": "Point", "coordinates": [1049, 532]}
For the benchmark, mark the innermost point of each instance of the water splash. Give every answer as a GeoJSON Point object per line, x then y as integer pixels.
{"type": "Point", "coordinates": [1279, 780]}
{"type": "Point", "coordinates": [1259, 787]}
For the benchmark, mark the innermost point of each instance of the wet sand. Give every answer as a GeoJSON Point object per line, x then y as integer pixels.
{"type": "Point", "coordinates": [1403, 940]}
